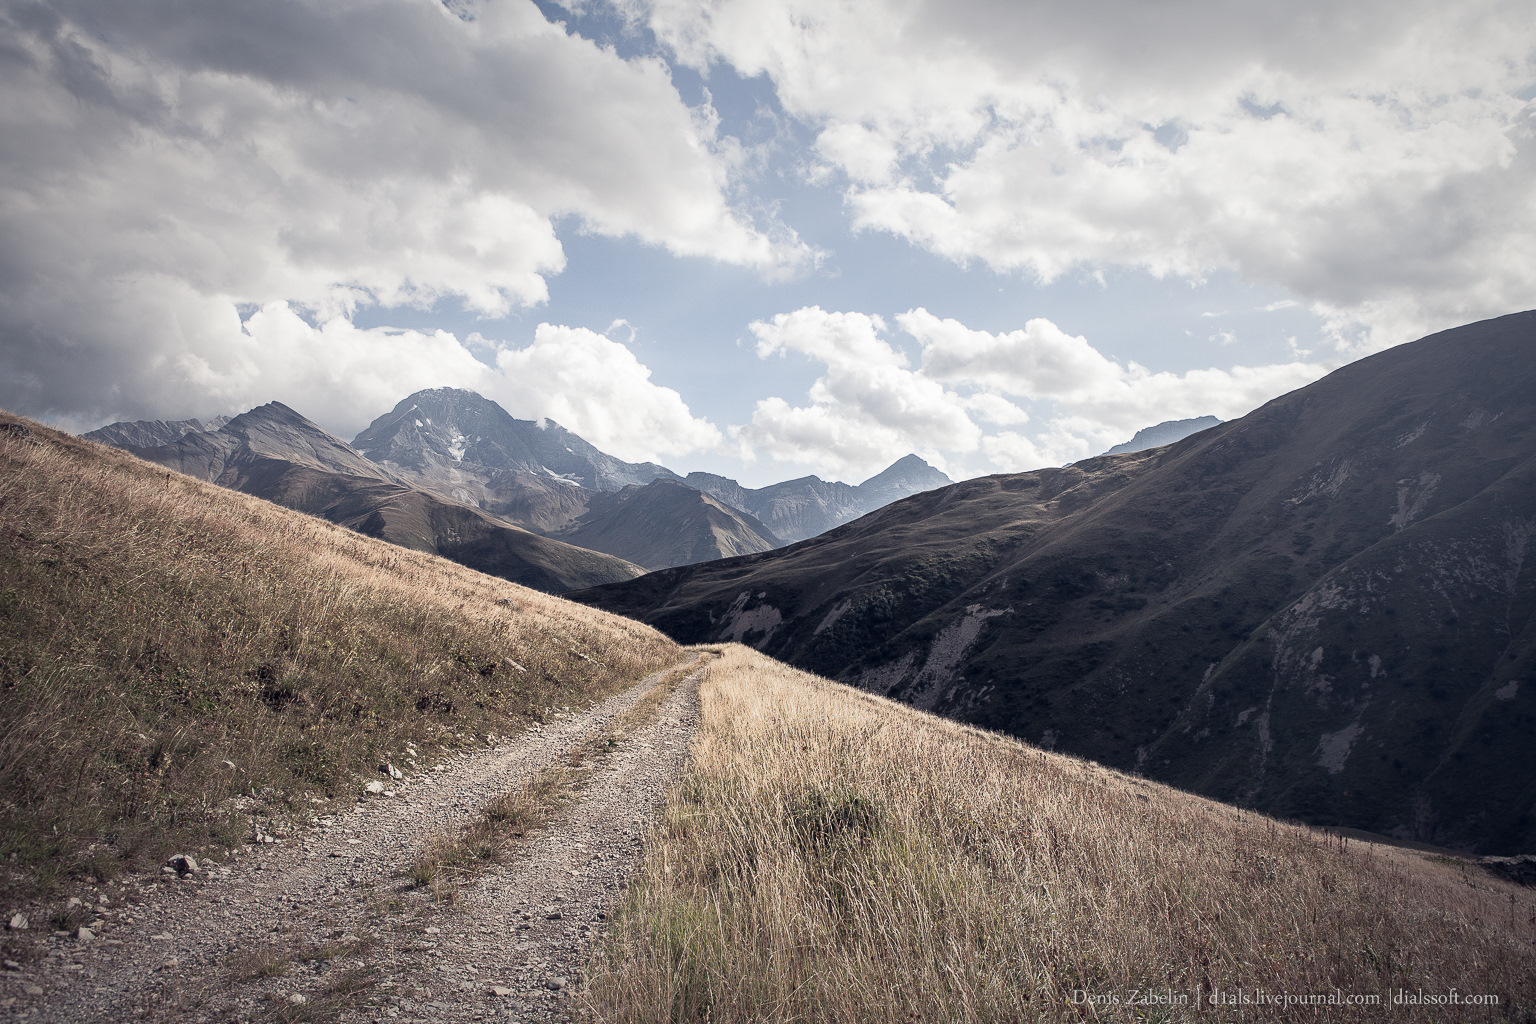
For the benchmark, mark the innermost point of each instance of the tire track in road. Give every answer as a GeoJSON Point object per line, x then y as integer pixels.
{"type": "Point", "coordinates": [525, 933]}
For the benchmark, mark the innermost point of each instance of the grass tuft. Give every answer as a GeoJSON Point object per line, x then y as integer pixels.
{"type": "Point", "coordinates": [266, 961]}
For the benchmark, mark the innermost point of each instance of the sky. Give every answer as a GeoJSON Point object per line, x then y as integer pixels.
{"type": "Point", "coordinates": [760, 238]}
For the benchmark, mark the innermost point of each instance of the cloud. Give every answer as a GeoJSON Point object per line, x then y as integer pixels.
{"type": "Point", "coordinates": [167, 167]}
{"type": "Point", "coordinates": [335, 373]}
{"type": "Point", "coordinates": [597, 388]}
{"type": "Point", "coordinates": [1376, 160]}
{"type": "Point", "coordinates": [344, 376]}
{"type": "Point", "coordinates": [868, 410]}
{"type": "Point", "coordinates": [995, 409]}
{"type": "Point", "coordinates": [1095, 398]}
{"type": "Point", "coordinates": [1040, 361]}
{"type": "Point", "coordinates": [1011, 452]}
{"type": "Point", "coordinates": [871, 406]}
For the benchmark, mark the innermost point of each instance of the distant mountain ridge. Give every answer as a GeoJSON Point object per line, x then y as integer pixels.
{"type": "Point", "coordinates": [268, 432]}
{"type": "Point", "coordinates": [463, 445]}
{"type": "Point", "coordinates": [435, 433]}
{"type": "Point", "coordinates": [151, 433]}
{"type": "Point", "coordinates": [1166, 432]}
{"type": "Point", "coordinates": [1325, 610]}
{"type": "Point", "coordinates": [537, 476]}
{"type": "Point", "coordinates": [797, 509]}
{"type": "Point", "coordinates": [275, 453]}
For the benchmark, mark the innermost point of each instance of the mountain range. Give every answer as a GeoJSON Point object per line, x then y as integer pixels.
{"type": "Point", "coordinates": [277, 454]}
{"type": "Point", "coordinates": [797, 509]}
{"type": "Point", "coordinates": [152, 433]}
{"type": "Point", "coordinates": [451, 472]}
{"type": "Point", "coordinates": [541, 476]}
{"type": "Point", "coordinates": [1321, 610]}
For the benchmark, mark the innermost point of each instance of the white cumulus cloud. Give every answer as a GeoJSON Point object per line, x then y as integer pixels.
{"type": "Point", "coordinates": [972, 392]}
{"type": "Point", "coordinates": [166, 169]}
{"type": "Point", "coordinates": [1376, 160]}
{"type": "Point", "coordinates": [596, 387]}
{"type": "Point", "coordinates": [866, 411]}
{"type": "Point", "coordinates": [344, 376]}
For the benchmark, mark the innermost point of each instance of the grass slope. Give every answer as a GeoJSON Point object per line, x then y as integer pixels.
{"type": "Point", "coordinates": [834, 856]}
{"type": "Point", "coordinates": [172, 651]}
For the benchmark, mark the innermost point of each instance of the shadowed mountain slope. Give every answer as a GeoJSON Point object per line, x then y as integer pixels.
{"type": "Point", "coordinates": [1323, 610]}
{"type": "Point", "coordinates": [273, 452]}
{"type": "Point", "coordinates": [667, 523]}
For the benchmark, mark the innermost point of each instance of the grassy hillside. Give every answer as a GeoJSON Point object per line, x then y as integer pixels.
{"type": "Point", "coordinates": [168, 645]}
{"type": "Point", "coordinates": [835, 856]}
{"type": "Point", "coordinates": [1323, 610]}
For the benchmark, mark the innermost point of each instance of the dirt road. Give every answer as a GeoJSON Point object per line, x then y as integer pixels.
{"type": "Point", "coordinates": [328, 925]}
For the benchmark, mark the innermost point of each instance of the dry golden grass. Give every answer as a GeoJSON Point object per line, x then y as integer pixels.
{"type": "Point", "coordinates": [831, 856]}
{"type": "Point", "coordinates": [167, 645]}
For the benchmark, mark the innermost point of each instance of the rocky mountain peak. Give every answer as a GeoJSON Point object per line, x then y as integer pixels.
{"type": "Point", "coordinates": [278, 432]}
{"type": "Point", "coordinates": [907, 475]}
{"type": "Point", "coordinates": [443, 435]}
